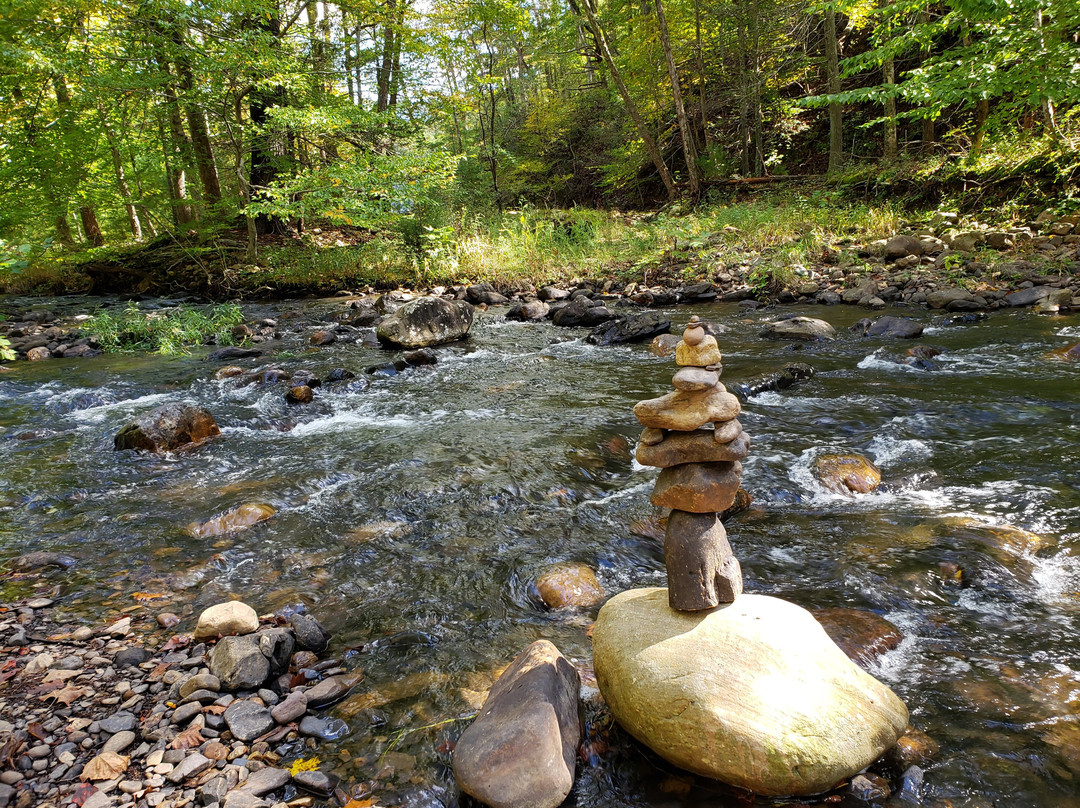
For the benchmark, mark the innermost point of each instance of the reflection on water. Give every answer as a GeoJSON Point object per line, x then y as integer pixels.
{"type": "Point", "coordinates": [429, 502]}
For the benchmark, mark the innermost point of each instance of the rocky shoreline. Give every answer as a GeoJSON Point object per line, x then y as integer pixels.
{"type": "Point", "coordinates": [116, 715]}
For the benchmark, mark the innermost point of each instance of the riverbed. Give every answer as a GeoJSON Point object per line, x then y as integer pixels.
{"type": "Point", "coordinates": [414, 513]}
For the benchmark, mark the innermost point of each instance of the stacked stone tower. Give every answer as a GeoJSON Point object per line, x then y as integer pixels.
{"type": "Point", "coordinates": [693, 435]}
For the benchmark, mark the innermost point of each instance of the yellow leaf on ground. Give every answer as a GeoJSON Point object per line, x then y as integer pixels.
{"type": "Point", "coordinates": [106, 766]}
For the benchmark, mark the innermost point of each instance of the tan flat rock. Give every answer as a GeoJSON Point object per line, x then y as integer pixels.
{"type": "Point", "coordinates": [698, 487]}
{"type": "Point", "coordinates": [686, 411]}
{"type": "Point", "coordinates": [705, 353]}
{"type": "Point", "coordinates": [692, 447]}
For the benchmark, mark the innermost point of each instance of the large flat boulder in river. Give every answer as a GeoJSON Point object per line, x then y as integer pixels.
{"type": "Point", "coordinates": [174, 426]}
{"type": "Point", "coordinates": [753, 693]}
{"type": "Point", "coordinates": [633, 328]}
{"type": "Point", "coordinates": [806, 329]}
{"type": "Point", "coordinates": [426, 321]}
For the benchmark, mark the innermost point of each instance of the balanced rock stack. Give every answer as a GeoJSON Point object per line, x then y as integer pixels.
{"type": "Point", "coordinates": [693, 435]}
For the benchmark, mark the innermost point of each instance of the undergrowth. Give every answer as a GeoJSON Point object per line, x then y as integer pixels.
{"type": "Point", "coordinates": [170, 332]}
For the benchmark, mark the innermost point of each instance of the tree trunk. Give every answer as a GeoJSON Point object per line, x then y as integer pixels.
{"type": "Point", "coordinates": [982, 112]}
{"type": "Point", "coordinates": [631, 107]}
{"type": "Point", "coordinates": [832, 69]}
{"type": "Point", "coordinates": [178, 148]}
{"type": "Point", "coordinates": [358, 66]}
{"type": "Point", "coordinates": [91, 227]}
{"type": "Point", "coordinates": [63, 232]}
{"type": "Point", "coordinates": [927, 122]}
{"type": "Point", "coordinates": [689, 148]}
{"type": "Point", "coordinates": [200, 132]}
{"type": "Point", "coordinates": [387, 65]}
{"type": "Point", "coordinates": [395, 68]}
{"type": "Point", "coordinates": [701, 74]}
{"type": "Point", "coordinates": [889, 75]}
{"type": "Point", "coordinates": [266, 147]}
{"type": "Point", "coordinates": [121, 179]}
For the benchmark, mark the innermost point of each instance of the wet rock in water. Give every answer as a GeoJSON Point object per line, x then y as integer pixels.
{"type": "Point", "coordinates": [521, 749]}
{"type": "Point", "coordinates": [699, 446]}
{"type": "Point", "coordinates": [301, 394]}
{"type": "Point", "coordinates": [268, 376]}
{"type": "Point", "coordinates": [332, 689]}
{"type": "Point", "coordinates": [683, 411]}
{"type": "Point", "coordinates": [633, 328]}
{"type": "Point", "coordinates": [228, 372]}
{"type": "Point", "coordinates": [898, 327]}
{"type": "Point", "coordinates": [131, 657]}
{"type": "Point", "coordinates": [581, 312]}
{"type": "Point", "coordinates": [698, 487]}
{"type": "Point", "coordinates": [529, 311]}
{"type": "Point", "coordinates": [309, 633]}
{"type": "Point", "coordinates": [420, 358]}
{"type": "Point", "coordinates": [788, 376]}
{"type": "Point", "coordinates": [168, 620]}
{"type": "Point", "coordinates": [1029, 296]}
{"type": "Point", "coordinates": [805, 329]}
{"type": "Point", "coordinates": [913, 748]}
{"type": "Point", "coordinates": [862, 635]}
{"type": "Point", "coordinates": [232, 352]}
{"type": "Point", "coordinates": [168, 428]}
{"type": "Point", "coordinates": [869, 787]}
{"type": "Point", "coordinates": [30, 562]}
{"type": "Point", "coordinates": [239, 518]}
{"type": "Point", "coordinates": [322, 338]}
{"type": "Point", "coordinates": [39, 354]}
{"type": "Point", "coordinates": [239, 663]}
{"type": "Point", "coordinates": [290, 708]}
{"type": "Point", "coordinates": [572, 585]}
{"type": "Point", "coordinates": [753, 693]}
{"type": "Point", "coordinates": [224, 619]}
{"type": "Point", "coordinates": [340, 375]}
{"type": "Point", "coordinates": [247, 720]}
{"type": "Point", "coordinates": [326, 729]}
{"type": "Point", "coordinates": [1071, 353]}
{"type": "Point", "coordinates": [426, 321]}
{"type": "Point", "coordinates": [743, 501]}
{"type": "Point", "coordinates": [320, 783]}
{"type": "Point", "coordinates": [663, 345]}
{"type": "Point", "coordinates": [847, 474]}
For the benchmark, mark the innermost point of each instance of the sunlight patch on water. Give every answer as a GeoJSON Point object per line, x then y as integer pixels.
{"type": "Point", "coordinates": [99, 415]}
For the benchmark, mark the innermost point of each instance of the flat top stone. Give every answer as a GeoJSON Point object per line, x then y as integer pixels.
{"type": "Point", "coordinates": [692, 378]}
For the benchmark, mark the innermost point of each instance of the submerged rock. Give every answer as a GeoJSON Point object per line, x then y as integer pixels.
{"type": "Point", "coordinates": [847, 474]}
{"type": "Point", "coordinates": [168, 428]}
{"type": "Point", "coordinates": [860, 634]}
{"type": "Point", "coordinates": [569, 585]}
{"type": "Point", "coordinates": [29, 562]}
{"type": "Point", "coordinates": [239, 518]}
{"type": "Point", "coordinates": [753, 693]}
{"type": "Point", "coordinates": [521, 750]}
{"type": "Point", "coordinates": [426, 321]}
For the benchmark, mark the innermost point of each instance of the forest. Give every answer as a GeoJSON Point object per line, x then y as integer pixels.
{"type": "Point", "coordinates": [416, 133]}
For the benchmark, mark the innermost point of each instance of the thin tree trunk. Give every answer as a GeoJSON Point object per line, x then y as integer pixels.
{"type": "Point", "coordinates": [631, 107]}
{"type": "Point", "coordinates": [63, 231]}
{"type": "Point", "coordinates": [832, 68]}
{"type": "Point", "coordinates": [91, 227]}
{"type": "Point", "coordinates": [707, 138]}
{"type": "Point", "coordinates": [927, 122]}
{"type": "Point", "coordinates": [145, 218]}
{"type": "Point", "coordinates": [387, 64]}
{"type": "Point", "coordinates": [121, 179]}
{"type": "Point", "coordinates": [200, 132]}
{"type": "Point", "coordinates": [179, 147]}
{"type": "Point", "coordinates": [982, 112]}
{"type": "Point", "coordinates": [889, 75]}
{"type": "Point", "coordinates": [689, 148]}
{"type": "Point", "coordinates": [395, 68]}
{"type": "Point", "coordinates": [358, 66]}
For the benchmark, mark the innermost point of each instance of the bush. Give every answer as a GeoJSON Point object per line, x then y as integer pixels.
{"type": "Point", "coordinates": [164, 332]}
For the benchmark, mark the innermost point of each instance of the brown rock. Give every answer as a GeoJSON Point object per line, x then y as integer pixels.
{"type": "Point", "coordinates": [650, 436]}
{"type": "Point", "coordinates": [663, 344]}
{"type": "Point", "coordinates": [228, 372]}
{"type": "Point", "coordinates": [239, 518]}
{"type": "Point", "coordinates": [39, 354]}
{"type": "Point", "coordinates": [702, 355]}
{"type": "Point", "coordinates": [521, 750]}
{"type": "Point", "coordinates": [569, 585]}
{"type": "Point", "coordinates": [301, 394]}
{"type": "Point", "coordinates": [862, 635]}
{"type": "Point", "coordinates": [848, 474]}
{"type": "Point", "coordinates": [694, 333]}
{"type": "Point", "coordinates": [702, 572]}
{"type": "Point", "coordinates": [1072, 353]}
{"type": "Point", "coordinates": [743, 501]}
{"type": "Point", "coordinates": [726, 431]}
{"type": "Point", "coordinates": [914, 748]}
{"type": "Point", "coordinates": [692, 447]}
{"type": "Point", "coordinates": [691, 379]}
{"type": "Point", "coordinates": [698, 487]}
{"type": "Point", "coordinates": [323, 338]}
{"type": "Point", "coordinates": [174, 426]}
{"type": "Point", "coordinates": [685, 412]}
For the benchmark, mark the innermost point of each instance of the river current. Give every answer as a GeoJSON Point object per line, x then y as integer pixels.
{"type": "Point", "coordinates": [413, 516]}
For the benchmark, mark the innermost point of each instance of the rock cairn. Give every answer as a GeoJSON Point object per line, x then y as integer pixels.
{"type": "Point", "coordinates": [692, 435]}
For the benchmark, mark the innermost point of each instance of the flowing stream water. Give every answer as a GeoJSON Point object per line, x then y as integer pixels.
{"type": "Point", "coordinates": [414, 515]}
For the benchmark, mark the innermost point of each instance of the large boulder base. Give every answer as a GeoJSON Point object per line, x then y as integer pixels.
{"type": "Point", "coordinates": [753, 693]}
{"type": "Point", "coordinates": [521, 750]}
{"type": "Point", "coordinates": [168, 428]}
{"type": "Point", "coordinates": [426, 321]}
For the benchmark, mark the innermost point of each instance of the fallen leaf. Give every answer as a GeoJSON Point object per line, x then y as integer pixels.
{"type": "Point", "coordinates": [177, 641]}
{"type": "Point", "coordinates": [157, 673]}
{"type": "Point", "coordinates": [187, 739]}
{"type": "Point", "coordinates": [59, 676]}
{"type": "Point", "coordinates": [105, 766]}
{"type": "Point", "coordinates": [146, 597]}
{"type": "Point", "coordinates": [37, 731]}
{"type": "Point", "coordinates": [364, 803]}
{"type": "Point", "coordinates": [67, 695]}
{"type": "Point", "coordinates": [84, 792]}
{"type": "Point", "coordinates": [214, 709]}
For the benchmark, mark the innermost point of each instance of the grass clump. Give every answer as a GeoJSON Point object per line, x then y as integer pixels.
{"type": "Point", "coordinates": [168, 332]}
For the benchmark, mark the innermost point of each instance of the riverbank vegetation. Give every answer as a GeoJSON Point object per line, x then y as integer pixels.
{"type": "Point", "coordinates": [288, 146]}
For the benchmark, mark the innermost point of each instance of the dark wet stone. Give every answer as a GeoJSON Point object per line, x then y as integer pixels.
{"type": "Point", "coordinates": [1028, 297]}
{"type": "Point", "coordinates": [233, 352]}
{"type": "Point", "coordinates": [522, 747]}
{"type": "Point", "coordinates": [131, 657]}
{"type": "Point", "coordinates": [301, 394]}
{"type": "Point", "coordinates": [340, 375]}
{"type": "Point", "coordinates": [248, 720]}
{"type": "Point", "coordinates": [268, 376]}
{"type": "Point", "coordinates": [310, 635]}
{"type": "Point", "coordinates": [277, 645]}
{"type": "Point", "coordinates": [697, 293]}
{"type": "Point", "coordinates": [420, 357]}
{"type": "Point", "coordinates": [484, 293]}
{"type": "Point", "coordinates": [320, 783]}
{"type": "Point", "coordinates": [323, 338]}
{"type": "Point", "coordinates": [325, 728]}
{"type": "Point", "coordinates": [869, 787]}
{"type": "Point", "coordinates": [40, 560]}
{"type": "Point", "coordinates": [782, 379]}
{"type": "Point", "coordinates": [174, 426]}
{"type": "Point", "coordinates": [425, 322]}
{"type": "Point", "coordinates": [529, 311]}
{"type": "Point", "coordinates": [633, 328]}
{"type": "Point", "coordinates": [898, 327]}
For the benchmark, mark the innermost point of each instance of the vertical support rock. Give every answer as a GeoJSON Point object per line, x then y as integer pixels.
{"type": "Point", "coordinates": [702, 572]}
